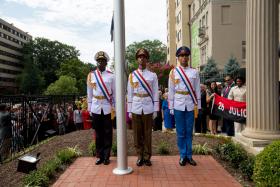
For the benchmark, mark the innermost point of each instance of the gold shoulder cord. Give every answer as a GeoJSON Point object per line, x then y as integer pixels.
{"type": "Point", "coordinates": [172, 76]}
{"type": "Point", "coordinates": [92, 85]}
{"type": "Point", "coordinates": [130, 79]}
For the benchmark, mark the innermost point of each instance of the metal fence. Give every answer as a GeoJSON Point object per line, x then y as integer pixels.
{"type": "Point", "coordinates": [27, 115]}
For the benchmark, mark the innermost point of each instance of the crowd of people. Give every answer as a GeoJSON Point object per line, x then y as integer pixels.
{"type": "Point", "coordinates": [44, 119]}
{"type": "Point", "coordinates": [207, 122]}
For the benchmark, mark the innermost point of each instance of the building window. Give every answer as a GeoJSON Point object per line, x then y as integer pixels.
{"type": "Point", "coordinates": [177, 2]}
{"type": "Point", "coordinates": [203, 56]}
{"type": "Point", "coordinates": [225, 14]}
{"type": "Point", "coordinates": [179, 35]}
{"type": "Point", "coordinates": [243, 51]}
{"type": "Point", "coordinates": [203, 21]}
{"type": "Point", "coordinates": [206, 19]}
{"type": "Point", "coordinates": [200, 23]}
{"type": "Point", "coordinates": [178, 18]}
{"type": "Point", "coordinates": [193, 9]}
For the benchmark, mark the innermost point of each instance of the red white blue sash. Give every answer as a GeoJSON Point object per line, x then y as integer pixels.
{"type": "Point", "coordinates": [187, 83]}
{"type": "Point", "coordinates": [143, 83]}
{"type": "Point", "coordinates": [102, 85]}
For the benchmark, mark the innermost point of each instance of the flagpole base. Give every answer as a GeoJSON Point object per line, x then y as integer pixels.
{"type": "Point", "coordinates": [118, 171]}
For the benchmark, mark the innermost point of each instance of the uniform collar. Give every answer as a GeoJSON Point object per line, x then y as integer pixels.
{"type": "Point", "coordinates": [184, 68]}
{"type": "Point", "coordinates": [142, 70]}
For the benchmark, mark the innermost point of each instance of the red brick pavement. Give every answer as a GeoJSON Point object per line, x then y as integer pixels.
{"type": "Point", "coordinates": [165, 172]}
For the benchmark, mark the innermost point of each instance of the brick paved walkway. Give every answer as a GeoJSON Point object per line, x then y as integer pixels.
{"type": "Point", "coordinates": [164, 172]}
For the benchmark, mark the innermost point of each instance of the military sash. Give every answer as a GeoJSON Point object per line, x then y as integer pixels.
{"type": "Point", "coordinates": [188, 84]}
{"type": "Point", "coordinates": [102, 86]}
{"type": "Point", "coordinates": [144, 83]}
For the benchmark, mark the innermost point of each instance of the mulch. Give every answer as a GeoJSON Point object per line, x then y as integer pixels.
{"type": "Point", "coordinates": [10, 177]}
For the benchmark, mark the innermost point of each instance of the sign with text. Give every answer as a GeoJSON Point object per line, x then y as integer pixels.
{"type": "Point", "coordinates": [229, 109]}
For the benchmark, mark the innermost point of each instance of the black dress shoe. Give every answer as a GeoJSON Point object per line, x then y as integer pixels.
{"type": "Point", "coordinates": [191, 162]}
{"type": "Point", "coordinates": [148, 162]}
{"type": "Point", "coordinates": [140, 162]}
{"type": "Point", "coordinates": [182, 161]}
{"type": "Point", "coordinates": [106, 162]}
{"type": "Point", "coordinates": [98, 161]}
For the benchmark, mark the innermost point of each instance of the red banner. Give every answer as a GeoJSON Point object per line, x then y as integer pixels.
{"type": "Point", "coordinates": [229, 109]}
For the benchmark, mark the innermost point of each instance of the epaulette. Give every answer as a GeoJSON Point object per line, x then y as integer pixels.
{"type": "Point", "coordinates": [92, 85]}
{"type": "Point", "coordinates": [89, 78]}
{"type": "Point", "coordinates": [172, 76]}
{"type": "Point", "coordinates": [130, 79]}
{"type": "Point", "coordinates": [109, 71]}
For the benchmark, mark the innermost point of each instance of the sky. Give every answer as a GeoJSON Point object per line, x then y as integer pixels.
{"type": "Point", "coordinates": [86, 24]}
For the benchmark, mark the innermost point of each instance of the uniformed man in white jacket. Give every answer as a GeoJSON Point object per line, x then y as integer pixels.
{"type": "Point", "coordinates": [184, 101]}
{"type": "Point", "coordinates": [142, 106]}
{"type": "Point", "coordinates": [101, 102]}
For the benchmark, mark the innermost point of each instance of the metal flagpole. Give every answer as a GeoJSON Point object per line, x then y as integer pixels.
{"type": "Point", "coordinates": [119, 40]}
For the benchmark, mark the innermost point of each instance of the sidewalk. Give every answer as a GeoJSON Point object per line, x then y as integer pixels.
{"type": "Point", "coordinates": [165, 172]}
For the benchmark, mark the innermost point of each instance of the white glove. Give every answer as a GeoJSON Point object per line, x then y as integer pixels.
{"type": "Point", "coordinates": [130, 115]}
{"type": "Point", "coordinates": [154, 115]}
{"type": "Point", "coordinates": [172, 112]}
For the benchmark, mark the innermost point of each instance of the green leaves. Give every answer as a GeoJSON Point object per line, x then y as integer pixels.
{"type": "Point", "coordinates": [267, 166]}
{"type": "Point", "coordinates": [156, 49]}
{"type": "Point", "coordinates": [63, 86]}
{"type": "Point", "coordinates": [42, 58]}
{"type": "Point", "coordinates": [232, 67]}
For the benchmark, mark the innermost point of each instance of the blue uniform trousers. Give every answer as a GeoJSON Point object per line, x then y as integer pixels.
{"type": "Point", "coordinates": [184, 128]}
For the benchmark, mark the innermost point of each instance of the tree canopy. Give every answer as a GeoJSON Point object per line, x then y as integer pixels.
{"type": "Point", "coordinates": [63, 86]}
{"type": "Point", "coordinates": [30, 80]}
{"type": "Point", "coordinates": [49, 55]}
{"type": "Point", "coordinates": [76, 69]}
{"type": "Point", "coordinates": [156, 49]}
{"type": "Point", "coordinates": [231, 67]}
{"type": "Point", "coordinates": [210, 72]}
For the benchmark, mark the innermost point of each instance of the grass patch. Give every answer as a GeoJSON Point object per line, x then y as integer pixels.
{"type": "Point", "coordinates": [163, 148]}
{"type": "Point", "coordinates": [92, 148]}
{"type": "Point", "coordinates": [201, 149]}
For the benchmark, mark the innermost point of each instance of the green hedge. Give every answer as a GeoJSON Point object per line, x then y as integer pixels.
{"type": "Point", "coordinates": [267, 166]}
{"type": "Point", "coordinates": [237, 157]}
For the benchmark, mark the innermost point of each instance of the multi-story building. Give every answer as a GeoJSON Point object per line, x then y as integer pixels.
{"type": "Point", "coordinates": [12, 40]}
{"type": "Point", "coordinates": [178, 29]}
{"type": "Point", "coordinates": [218, 31]}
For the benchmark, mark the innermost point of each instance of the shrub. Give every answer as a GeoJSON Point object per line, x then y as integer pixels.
{"type": "Point", "coordinates": [267, 166]}
{"type": "Point", "coordinates": [247, 166]}
{"type": "Point", "coordinates": [67, 155]}
{"type": "Point", "coordinates": [237, 156]}
{"type": "Point", "coordinates": [201, 149]}
{"type": "Point", "coordinates": [232, 152]}
{"type": "Point", "coordinates": [36, 178]}
{"type": "Point", "coordinates": [92, 148]}
{"type": "Point", "coordinates": [114, 148]}
{"type": "Point", "coordinates": [50, 167]}
{"type": "Point", "coordinates": [163, 148]}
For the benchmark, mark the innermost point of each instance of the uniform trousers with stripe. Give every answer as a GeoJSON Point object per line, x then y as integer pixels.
{"type": "Point", "coordinates": [104, 134]}
{"type": "Point", "coordinates": [142, 132]}
{"type": "Point", "coordinates": [184, 129]}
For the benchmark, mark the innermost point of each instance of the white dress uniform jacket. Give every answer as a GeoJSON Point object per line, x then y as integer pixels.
{"type": "Point", "coordinates": [237, 93]}
{"type": "Point", "coordinates": [137, 97]}
{"type": "Point", "coordinates": [176, 86]}
{"type": "Point", "coordinates": [96, 99]}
